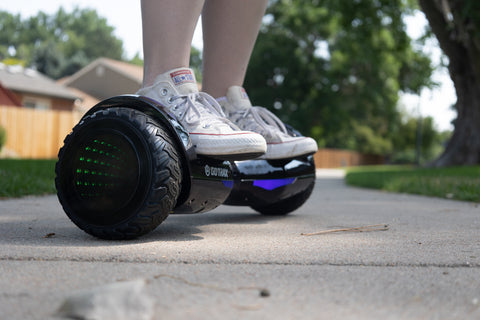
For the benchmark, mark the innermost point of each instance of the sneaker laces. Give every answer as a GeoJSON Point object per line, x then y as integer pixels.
{"type": "Point", "coordinates": [200, 107]}
{"type": "Point", "coordinates": [260, 120]}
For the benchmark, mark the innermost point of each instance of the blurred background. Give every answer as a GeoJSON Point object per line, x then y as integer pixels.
{"type": "Point", "coordinates": [366, 79]}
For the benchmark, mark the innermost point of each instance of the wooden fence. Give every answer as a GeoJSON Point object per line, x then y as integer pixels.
{"type": "Point", "coordinates": [336, 158]}
{"type": "Point", "coordinates": [33, 133]}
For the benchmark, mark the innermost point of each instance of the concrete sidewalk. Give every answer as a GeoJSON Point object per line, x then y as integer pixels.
{"type": "Point", "coordinates": [233, 263]}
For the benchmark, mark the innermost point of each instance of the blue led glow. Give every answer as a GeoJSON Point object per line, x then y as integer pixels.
{"type": "Point", "coordinates": [273, 183]}
{"type": "Point", "coordinates": [228, 183]}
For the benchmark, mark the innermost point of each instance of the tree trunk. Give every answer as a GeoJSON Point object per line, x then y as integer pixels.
{"type": "Point", "coordinates": [453, 31]}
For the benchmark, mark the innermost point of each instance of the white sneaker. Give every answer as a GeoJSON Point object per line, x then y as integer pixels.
{"type": "Point", "coordinates": [280, 144]}
{"type": "Point", "coordinates": [201, 115]}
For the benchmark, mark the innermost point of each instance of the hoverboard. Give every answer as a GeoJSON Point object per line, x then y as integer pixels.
{"type": "Point", "coordinates": [129, 163]}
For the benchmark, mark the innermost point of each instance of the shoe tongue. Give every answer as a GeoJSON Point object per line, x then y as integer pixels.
{"type": "Point", "coordinates": [182, 79]}
{"type": "Point", "coordinates": [237, 99]}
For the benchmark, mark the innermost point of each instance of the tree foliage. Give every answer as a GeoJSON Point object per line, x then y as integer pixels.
{"type": "Point", "coordinates": [416, 140]}
{"type": "Point", "coordinates": [58, 44]}
{"type": "Point", "coordinates": [196, 63]}
{"type": "Point", "coordinates": [334, 69]}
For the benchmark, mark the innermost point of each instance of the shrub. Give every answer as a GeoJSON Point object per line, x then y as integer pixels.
{"type": "Point", "coordinates": [3, 137]}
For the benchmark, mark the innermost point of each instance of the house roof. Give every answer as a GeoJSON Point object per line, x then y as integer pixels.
{"type": "Point", "coordinates": [17, 78]}
{"type": "Point", "coordinates": [105, 77]}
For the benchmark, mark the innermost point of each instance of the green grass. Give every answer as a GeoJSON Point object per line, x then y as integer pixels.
{"type": "Point", "coordinates": [26, 177]}
{"type": "Point", "coordinates": [460, 183]}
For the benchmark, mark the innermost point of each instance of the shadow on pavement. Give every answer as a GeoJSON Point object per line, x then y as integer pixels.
{"type": "Point", "coordinates": [30, 227]}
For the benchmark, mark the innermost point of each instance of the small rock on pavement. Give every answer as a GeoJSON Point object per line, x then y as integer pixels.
{"type": "Point", "coordinates": [116, 301]}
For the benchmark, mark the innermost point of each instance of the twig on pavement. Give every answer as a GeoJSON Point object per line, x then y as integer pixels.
{"type": "Point", "coordinates": [373, 227]}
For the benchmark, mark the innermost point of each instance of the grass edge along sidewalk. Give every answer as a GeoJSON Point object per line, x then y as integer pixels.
{"type": "Point", "coordinates": [25, 177]}
{"type": "Point", "coordinates": [459, 183]}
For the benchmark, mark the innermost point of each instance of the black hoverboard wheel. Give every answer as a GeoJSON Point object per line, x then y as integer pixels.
{"type": "Point", "coordinates": [119, 174]}
{"type": "Point", "coordinates": [272, 187]}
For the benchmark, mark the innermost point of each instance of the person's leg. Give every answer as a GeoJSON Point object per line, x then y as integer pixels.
{"type": "Point", "coordinates": [168, 27]}
{"type": "Point", "coordinates": [230, 28]}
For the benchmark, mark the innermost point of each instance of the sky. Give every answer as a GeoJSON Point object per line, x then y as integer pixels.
{"type": "Point", "coordinates": [125, 17]}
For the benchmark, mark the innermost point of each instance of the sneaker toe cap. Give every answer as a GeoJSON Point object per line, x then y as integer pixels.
{"type": "Point", "coordinates": [294, 147]}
